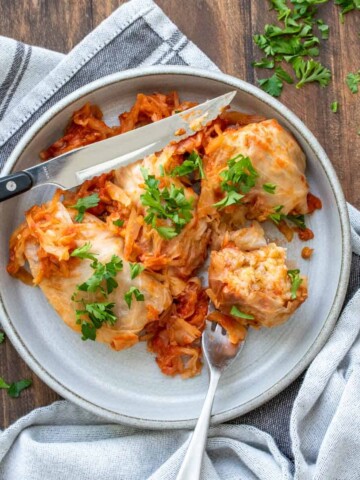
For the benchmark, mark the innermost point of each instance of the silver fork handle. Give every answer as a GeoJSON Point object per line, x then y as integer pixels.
{"type": "Point", "coordinates": [191, 466]}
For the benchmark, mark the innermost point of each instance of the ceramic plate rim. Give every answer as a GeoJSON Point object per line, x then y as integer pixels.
{"type": "Point", "coordinates": [329, 322]}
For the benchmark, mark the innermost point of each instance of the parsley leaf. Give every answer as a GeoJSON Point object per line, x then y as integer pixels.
{"type": "Point", "coordinates": [167, 203]}
{"type": "Point", "coordinates": [192, 163]}
{"type": "Point", "coordinates": [3, 384]}
{"type": "Point", "coordinates": [298, 220]}
{"type": "Point", "coordinates": [272, 85]}
{"type": "Point", "coordinates": [137, 294]}
{"type": "Point", "coordinates": [237, 180]}
{"type": "Point", "coordinates": [83, 252]}
{"type": "Point", "coordinates": [324, 29]}
{"type": "Point", "coordinates": [17, 387]}
{"type": "Point", "coordinates": [264, 63]}
{"type": "Point", "coordinates": [231, 198]}
{"type": "Point", "coordinates": [135, 269]}
{"type": "Point", "coordinates": [311, 71]}
{"type": "Point", "coordinates": [103, 272]}
{"type": "Point", "coordinates": [283, 75]}
{"type": "Point", "coordinates": [84, 204]}
{"type": "Point", "coordinates": [284, 12]}
{"type": "Point", "coordinates": [353, 81]}
{"type": "Point", "coordinates": [334, 107]}
{"type": "Point", "coordinates": [237, 313]}
{"type": "Point", "coordinates": [269, 187]}
{"type": "Point", "coordinates": [88, 331]}
{"type": "Point", "coordinates": [14, 389]}
{"type": "Point", "coordinates": [96, 314]}
{"type": "Point", "coordinates": [2, 337]}
{"type": "Point", "coordinates": [296, 281]}
{"type": "Point", "coordinates": [277, 216]}
{"type": "Point", "coordinates": [118, 223]}
{"type": "Point", "coordinates": [347, 6]}
{"type": "Point", "coordinates": [167, 232]}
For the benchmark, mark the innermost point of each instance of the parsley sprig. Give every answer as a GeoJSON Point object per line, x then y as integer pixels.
{"type": "Point", "coordinates": [334, 106]}
{"type": "Point", "coordinates": [311, 71]}
{"type": "Point", "coordinates": [118, 223]}
{"type": "Point", "coordinates": [133, 291]}
{"type": "Point", "coordinates": [296, 281]}
{"type": "Point", "coordinates": [347, 6]}
{"type": "Point", "coordinates": [14, 389]}
{"type": "Point", "coordinates": [277, 216]}
{"type": "Point", "coordinates": [104, 273]}
{"type": "Point", "coordinates": [135, 269]}
{"type": "Point", "coordinates": [84, 252]}
{"type": "Point", "coordinates": [92, 316]}
{"type": "Point", "coordinates": [237, 180]}
{"type": "Point", "coordinates": [84, 204]}
{"type": "Point", "coordinates": [353, 81]}
{"type": "Point", "coordinates": [269, 188]}
{"type": "Point", "coordinates": [190, 164]}
{"type": "Point", "coordinates": [166, 203]}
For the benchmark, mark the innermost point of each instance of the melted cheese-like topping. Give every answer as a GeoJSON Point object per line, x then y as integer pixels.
{"type": "Point", "coordinates": [277, 158]}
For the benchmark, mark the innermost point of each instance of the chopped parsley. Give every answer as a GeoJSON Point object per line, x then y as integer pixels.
{"type": "Point", "coordinates": [84, 204]}
{"type": "Point", "coordinates": [272, 85]}
{"type": "Point", "coordinates": [237, 180]}
{"type": "Point", "coordinates": [93, 316]}
{"type": "Point", "coordinates": [190, 164]}
{"type": "Point", "coordinates": [283, 75]}
{"type": "Point", "coordinates": [237, 313]}
{"type": "Point", "coordinates": [298, 220]}
{"type": "Point", "coordinates": [2, 337]}
{"type": "Point", "coordinates": [118, 222]}
{"type": "Point", "coordinates": [166, 203]}
{"type": "Point", "coordinates": [83, 252]}
{"type": "Point", "coordinates": [324, 29]}
{"type": "Point", "coordinates": [347, 6]}
{"type": "Point", "coordinates": [103, 273]}
{"type": "Point", "coordinates": [14, 389]}
{"type": "Point", "coordinates": [334, 107]}
{"type": "Point", "coordinates": [135, 269]}
{"type": "Point", "coordinates": [264, 63]}
{"type": "Point", "coordinates": [294, 42]}
{"type": "Point", "coordinates": [133, 291]}
{"type": "Point", "coordinates": [353, 81]}
{"type": "Point", "coordinates": [167, 232]}
{"type": "Point", "coordinates": [269, 187]}
{"type": "Point", "coordinates": [296, 281]}
{"type": "Point", "coordinates": [278, 216]}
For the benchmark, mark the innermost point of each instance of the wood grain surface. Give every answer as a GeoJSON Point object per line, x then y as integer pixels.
{"type": "Point", "coordinates": [223, 29]}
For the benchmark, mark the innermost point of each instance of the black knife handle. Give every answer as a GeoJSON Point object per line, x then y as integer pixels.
{"type": "Point", "coordinates": [14, 184]}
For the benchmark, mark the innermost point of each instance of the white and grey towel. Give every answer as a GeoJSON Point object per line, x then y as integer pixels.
{"type": "Point", "coordinates": [309, 431]}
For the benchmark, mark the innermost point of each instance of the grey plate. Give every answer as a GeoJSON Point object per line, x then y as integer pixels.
{"type": "Point", "coordinates": [128, 386]}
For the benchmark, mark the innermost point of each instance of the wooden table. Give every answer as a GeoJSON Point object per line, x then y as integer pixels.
{"type": "Point", "coordinates": [223, 29]}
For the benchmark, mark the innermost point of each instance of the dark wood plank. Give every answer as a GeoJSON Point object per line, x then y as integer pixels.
{"type": "Point", "coordinates": [53, 24]}
{"type": "Point", "coordinates": [223, 29]}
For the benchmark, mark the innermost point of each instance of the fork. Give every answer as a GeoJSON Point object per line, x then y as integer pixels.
{"type": "Point", "coordinates": [219, 354]}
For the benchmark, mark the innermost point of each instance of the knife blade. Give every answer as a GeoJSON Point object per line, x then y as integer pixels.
{"type": "Point", "coordinates": [74, 167]}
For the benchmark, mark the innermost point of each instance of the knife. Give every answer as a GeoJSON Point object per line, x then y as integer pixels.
{"type": "Point", "coordinates": [74, 167]}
